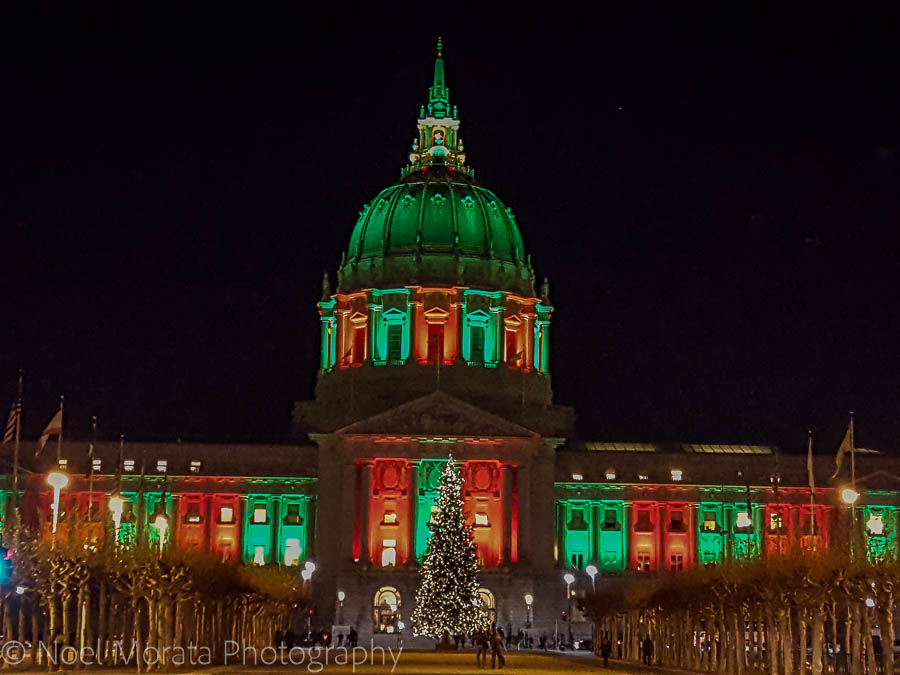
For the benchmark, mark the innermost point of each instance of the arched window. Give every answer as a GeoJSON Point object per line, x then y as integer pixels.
{"type": "Point", "coordinates": [488, 604]}
{"type": "Point", "coordinates": [387, 610]}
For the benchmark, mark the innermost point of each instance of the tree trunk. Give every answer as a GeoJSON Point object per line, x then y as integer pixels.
{"type": "Point", "coordinates": [136, 638]}
{"type": "Point", "coordinates": [887, 632]}
{"type": "Point", "coordinates": [801, 640]}
{"type": "Point", "coordinates": [35, 628]}
{"type": "Point", "coordinates": [856, 663]}
{"type": "Point", "coordinates": [737, 623]}
{"type": "Point", "coordinates": [771, 641]}
{"type": "Point", "coordinates": [871, 667]}
{"type": "Point", "coordinates": [102, 618]}
{"type": "Point", "coordinates": [818, 639]}
{"type": "Point", "coordinates": [787, 642]}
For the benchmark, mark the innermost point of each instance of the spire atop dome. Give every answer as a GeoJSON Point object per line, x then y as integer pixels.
{"type": "Point", "coordinates": [438, 141]}
{"type": "Point", "coordinates": [438, 93]}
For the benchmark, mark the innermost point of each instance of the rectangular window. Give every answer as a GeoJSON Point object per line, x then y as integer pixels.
{"type": "Point", "coordinates": [610, 519]}
{"type": "Point", "coordinates": [476, 347]}
{"type": "Point", "coordinates": [676, 522]}
{"type": "Point", "coordinates": [389, 553]}
{"type": "Point", "coordinates": [513, 355]}
{"type": "Point", "coordinates": [643, 562]}
{"type": "Point", "coordinates": [390, 518]}
{"type": "Point", "coordinates": [292, 552]}
{"type": "Point", "coordinates": [643, 523]}
{"type": "Point", "coordinates": [577, 561]}
{"type": "Point", "coordinates": [193, 513]}
{"type": "Point", "coordinates": [63, 464]}
{"type": "Point", "coordinates": [676, 562]}
{"type": "Point", "coordinates": [162, 465]}
{"type": "Point", "coordinates": [742, 521]}
{"type": "Point", "coordinates": [95, 465]}
{"type": "Point", "coordinates": [677, 475]}
{"type": "Point", "coordinates": [709, 521]}
{"type": "Point", "coordinates": [260, 514]}
{"type": "Point", "coordinates": [776, 522]}
{"type": "Point", "coordinates": [435, 342]}
{"type": "Point", "coordinates": [195, 466]}
{"type": "Point", "coordinates": [359, 344]}
{"type": "Point", "coordinates": [481, 520]}
{"type": "Point", "coordinates": [292, 517]}
{"type": "Point", "coordinates": [395, 342]}
{"type": "Point", "coordinates": [128, 465]}
{"type": "Point", "coordinates": [259, 555]}
{"type": "Point", "coordinates": [226, 514]}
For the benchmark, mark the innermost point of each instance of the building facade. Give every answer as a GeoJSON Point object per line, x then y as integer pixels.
{"type": "Point", "coordinates": [435, 343]}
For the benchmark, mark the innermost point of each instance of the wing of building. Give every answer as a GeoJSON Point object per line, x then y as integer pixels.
{"type": "Point", "coordinates": [435, 341]}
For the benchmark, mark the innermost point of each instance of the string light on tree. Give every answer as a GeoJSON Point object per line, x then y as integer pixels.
{"type": "Point", "coordinates": [447, 600]}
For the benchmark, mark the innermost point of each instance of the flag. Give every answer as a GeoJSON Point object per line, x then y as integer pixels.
{"type": "Point", "coordinates": [54, 428]}
{"type": "Point", "coordinates": [10, 432]}
{"type": "Point", "coordinates": [810, 471]}
{"type": "Point", "coordinates": [846, 446]}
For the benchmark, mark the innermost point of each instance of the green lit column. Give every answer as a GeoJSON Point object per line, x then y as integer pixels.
{"type": "Point", "coordinates": [413, 510]}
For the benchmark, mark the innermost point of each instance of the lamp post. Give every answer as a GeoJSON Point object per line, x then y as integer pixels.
{"type": "Point", "coordinates": [161, 523]}
{"type": "Point", "coordinates": [57, 480]}
{"type": "Point", "coordinates": [306, 574]}
{"type": "Point", "coordinates": [529, 609]}
{"type": "Point", "coordinates": [341, 596]}
{"type": "Point", "coordinates": [569, 578]}
{"type": "Point", "coordinates": [592, 571]}
{"type": "Point", "coordinates": [116, 505]}
{"type": "Point", "coordinates": [849, 496]}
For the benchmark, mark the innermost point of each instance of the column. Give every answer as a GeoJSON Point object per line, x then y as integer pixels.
{"type": "Point", "coordinates": [524, 515]}
{"type": "Point", "coordinates": [506, 492]}
{"type": "Point", "coordinates": [365, 489]}
{"type": "Point", "coordinates": [312, 513]}
{"type": "Point", "coordinates": [413, 492]}
{"type": "Point", "coordinates": [245, 556]}
{"type": "Point", "coordinates": [345, 520]}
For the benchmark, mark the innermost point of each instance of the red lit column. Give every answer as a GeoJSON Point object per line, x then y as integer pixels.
{"type": "Point", "coordinates": [506, 546]}
{"type": "Point", "coordinates": [365, 491]}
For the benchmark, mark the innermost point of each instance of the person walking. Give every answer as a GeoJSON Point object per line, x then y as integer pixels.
{"type": "Point", "coordinates": [497, 659]}
{"type": "Point", "coordinates": [605, 650]}
{"type": "Point", "coordinates": [481, 648]}
{"type": "Point", "coordinates": [648, 650]}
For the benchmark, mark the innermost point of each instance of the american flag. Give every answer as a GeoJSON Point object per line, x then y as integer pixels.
{"type": "Point", "coordinates": [10, 433]}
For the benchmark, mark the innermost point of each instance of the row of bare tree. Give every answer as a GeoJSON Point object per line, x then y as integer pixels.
{"type": "Point", "coordinates": [131, 605]}
{"type": "Point", "coordinates": [794, 614]}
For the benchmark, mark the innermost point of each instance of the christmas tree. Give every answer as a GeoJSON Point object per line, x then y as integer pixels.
{"type": "Point", "coordinates": [447, 601]}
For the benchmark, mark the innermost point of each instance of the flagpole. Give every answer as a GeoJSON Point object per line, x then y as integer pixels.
{"type": "Point", "coordinates": [62, 400]}
{"type": "Point", "coordinates": [812, 484]}
{"type": "Point", "coordinates": [91, 466]}
{"type": "Point", "coordinates": [16, 451]}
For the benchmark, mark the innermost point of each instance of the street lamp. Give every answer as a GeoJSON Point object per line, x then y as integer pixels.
{"type": "Point", "coordinates": [569, 578]}
{"type": "Point", "coordinates": [592, 571]}
{"type": "Point", "coordinates": [341, 596]}
{"type": "Point", "coordinates": [117, 505]}
{"type": "Point", "coordinates": [162, 524]}
{"type": "Point", "coordinates": [849, 495]}
{"type": "Point", "coordinates": [529, 601]}
{"type": "Point", "coordinates": [308, 570]}
{"type": "Point", "coordinates": [57, 480]}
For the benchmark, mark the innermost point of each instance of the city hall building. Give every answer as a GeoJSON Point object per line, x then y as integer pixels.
{"type": "Point", "coordinates": [435, 343]}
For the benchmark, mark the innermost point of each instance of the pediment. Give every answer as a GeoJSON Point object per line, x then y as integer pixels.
{"type": "Point", "coordinates": [437, 415]}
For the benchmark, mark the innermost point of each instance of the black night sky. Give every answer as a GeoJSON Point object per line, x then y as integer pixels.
{"type": "Point", "coordinates": [713, 190]}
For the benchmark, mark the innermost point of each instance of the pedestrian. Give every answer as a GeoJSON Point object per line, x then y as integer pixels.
{"type": "Point", "coordinates": [542, 641]}
{"type": "Point", "coordinates": [648, 650]}
{"type": "Point", "coordinates": [497, 658]}
{"type": "Point", "coordinates": [352, 637]}
{"type": "Point", "coordinates": [605, 649]}
{"type": "Point", "coordinates": [480, 639]}
{"type": "Point", "coordinates": [340, 639]}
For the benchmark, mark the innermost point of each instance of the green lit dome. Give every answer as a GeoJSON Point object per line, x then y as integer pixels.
{"type": "Point", "coordinates": [440, 230]}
